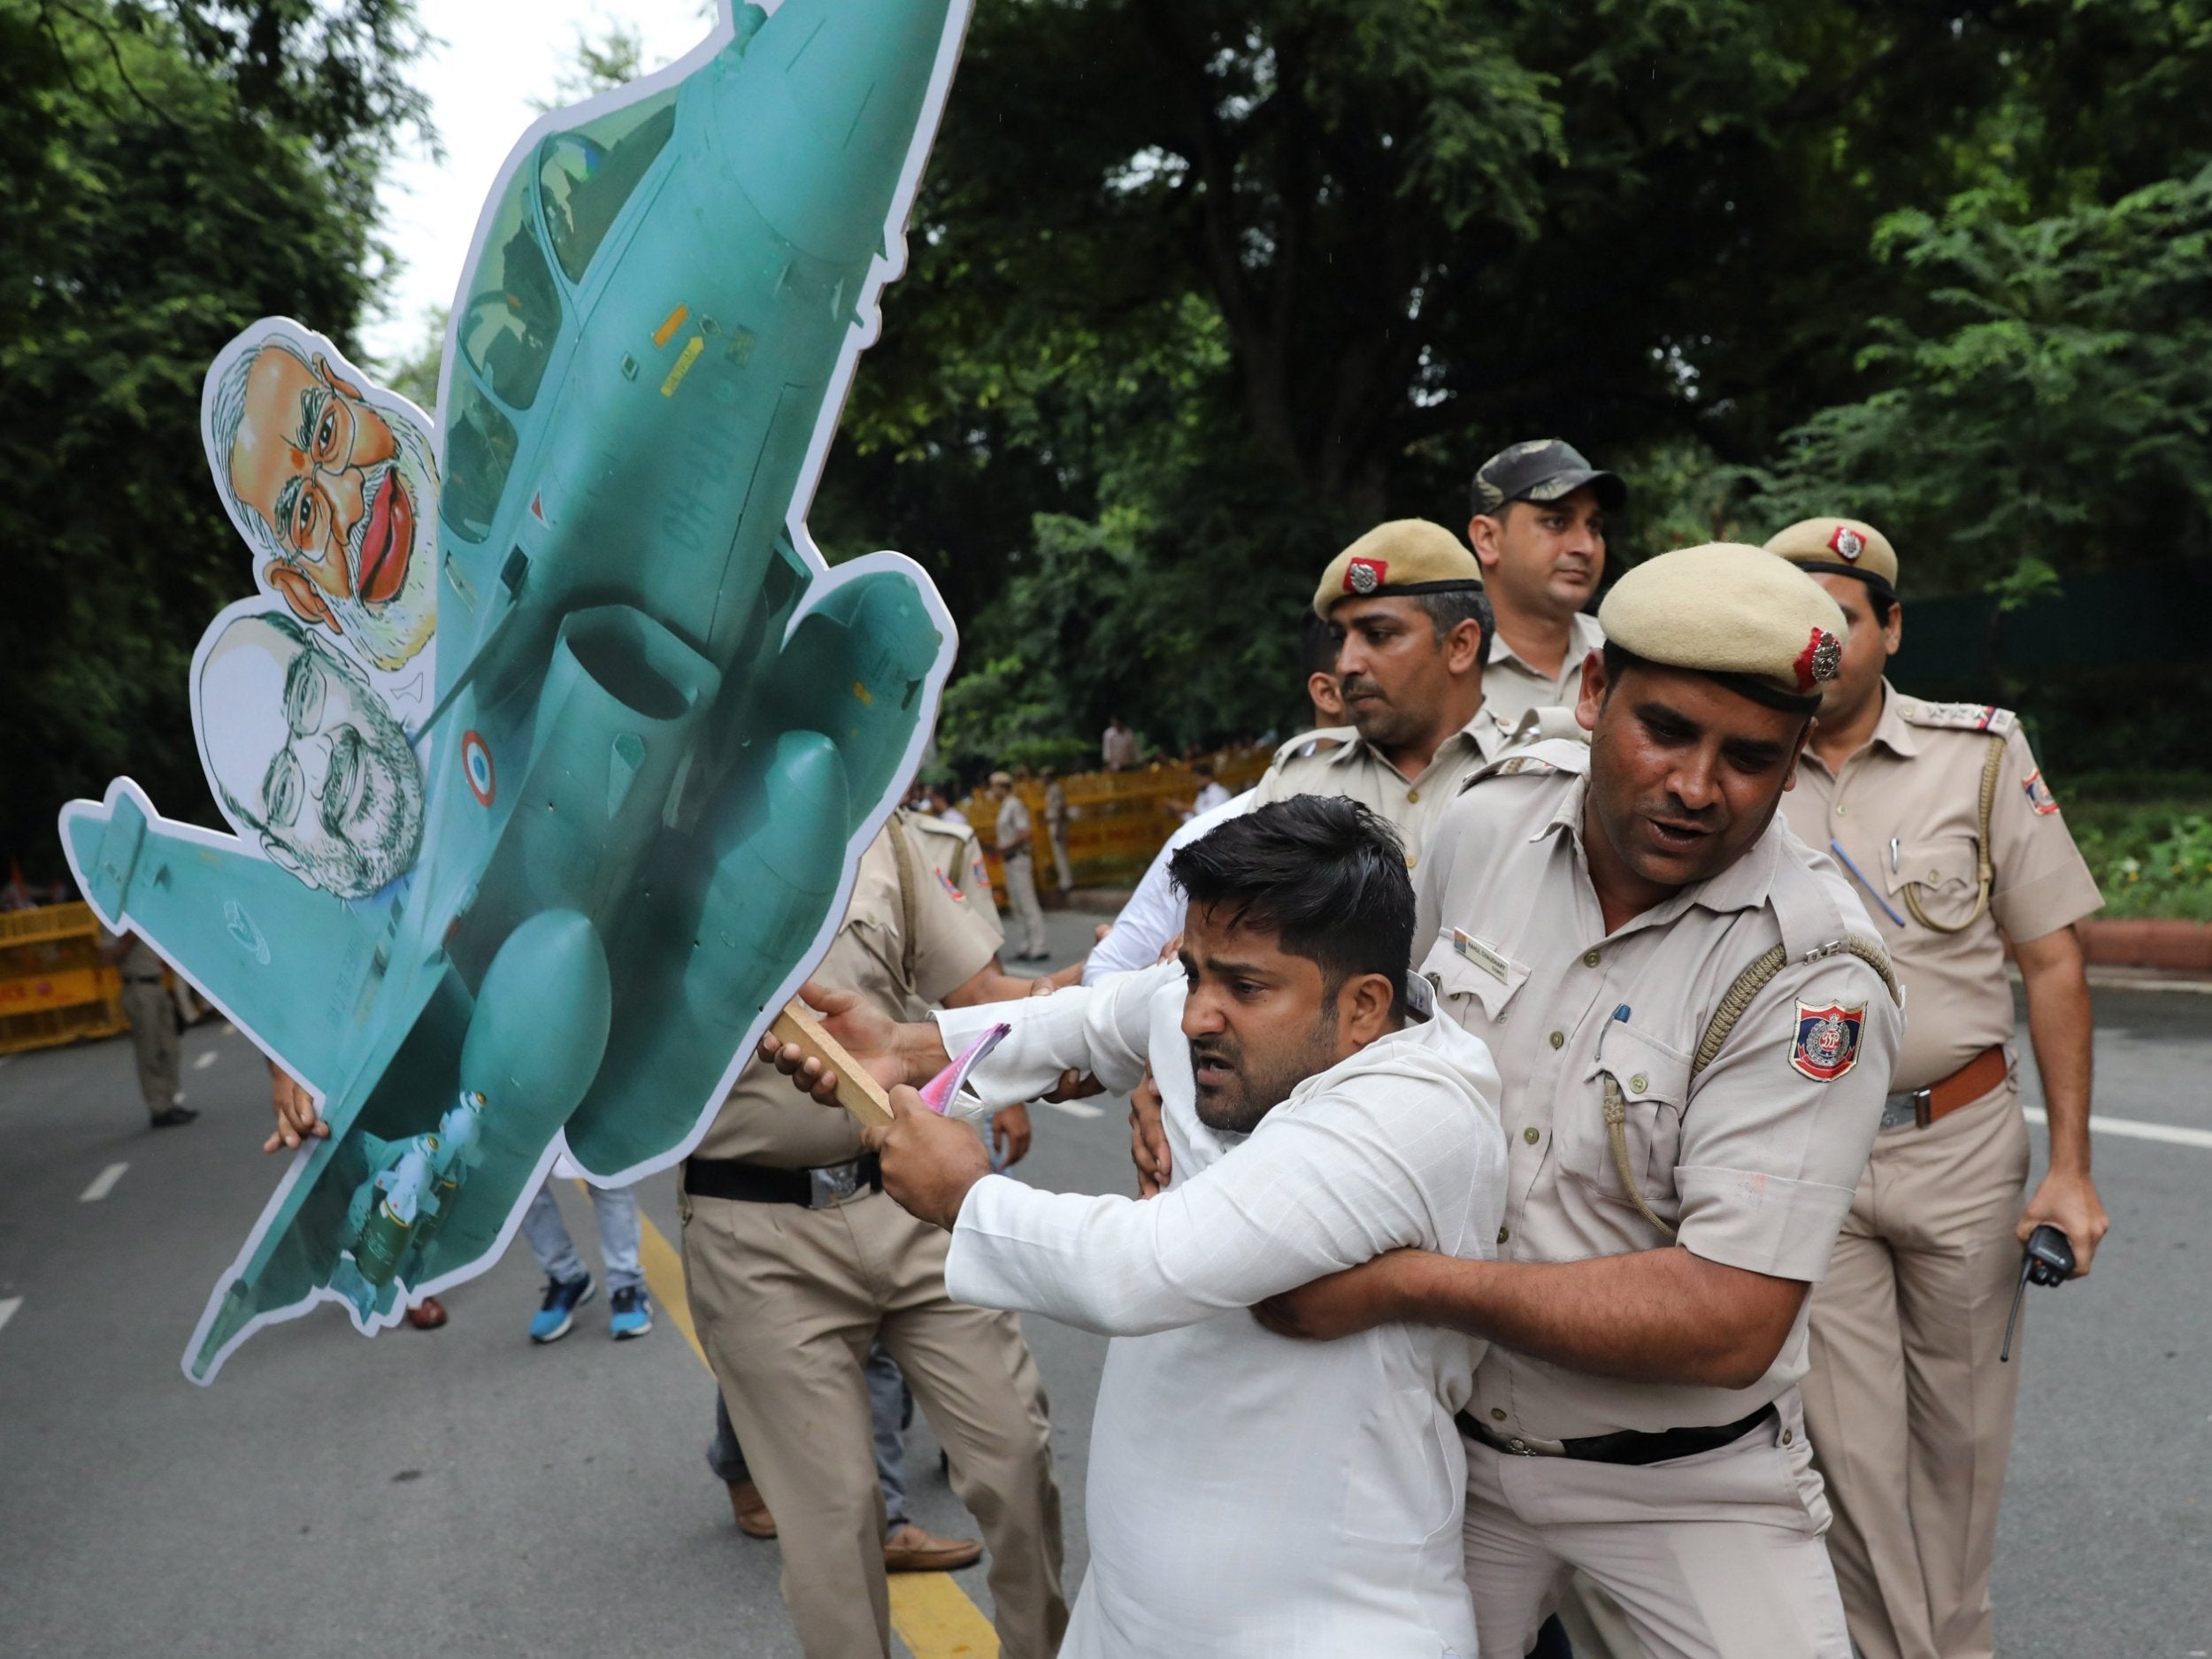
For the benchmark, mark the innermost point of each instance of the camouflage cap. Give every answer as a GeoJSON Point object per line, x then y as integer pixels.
{"type": "Point", "coordinates": [1406, 556]}
{"type": "Point", "coordinates": [1840, 547]}
{"type": "Point", "coordinates": [1735, 612]}
{"type": "Point", "coordinates": [1542, 468]}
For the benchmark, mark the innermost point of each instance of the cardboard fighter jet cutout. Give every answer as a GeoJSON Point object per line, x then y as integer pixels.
{"type": "Point", "coordinates": [662, 729]}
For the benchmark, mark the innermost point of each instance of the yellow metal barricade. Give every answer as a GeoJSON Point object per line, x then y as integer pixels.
{"type": "Point", "coordinates": [53, 986]}
{"type": "Point", "coordinates": [1117, 821]}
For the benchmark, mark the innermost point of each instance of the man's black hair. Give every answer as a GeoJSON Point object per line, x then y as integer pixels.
{"type": "Point", "coordinates": [1447, 610]}
{"type": "Point", "coordinates": [1317, 642]}
{"type": "Point", "coordinates": [1325, 873]}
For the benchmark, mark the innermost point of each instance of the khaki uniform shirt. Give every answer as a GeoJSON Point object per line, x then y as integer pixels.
{"type": "Point", "coordinates": [765, 1120]}
{"type": "Point", "coordinates": [1510, 687]}
{"type": "Point", "coordinates": [1755, 1165]}
{"type": "Point", "coordinates": [952, 851]}
{"type": "Point", "coordinates": [1056, 806]}
{"type": "Point", "coordinates": [1337, 760]}
{"type": "Point", "coordinates": [1916, 788]}
{"type": "Point", "coordinates": [1013, 826]}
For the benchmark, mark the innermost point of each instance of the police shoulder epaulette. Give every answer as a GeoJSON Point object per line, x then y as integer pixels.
{"type": "Point", "coordinates": [1957, 717]}
{"type": "Point", "coordinates": [931, 824]}
{"type": "Point", "coordinates": [1510, 766]}
{"type": "Point", "coordinates": [1307, 744]}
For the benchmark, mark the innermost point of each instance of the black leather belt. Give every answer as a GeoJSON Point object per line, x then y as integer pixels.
{"type": "Point", "coordinates": [142, 979]}
{"type": "Point", "coordinates": [1630, 1445]}
{"type": "Point", "coordinates": [758, 1183]}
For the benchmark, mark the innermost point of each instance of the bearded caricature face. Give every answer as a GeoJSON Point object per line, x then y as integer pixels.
{"type": "Point", "coordinates": [341, 495]}
{"type": "Point", "coordinates": [310, 757]}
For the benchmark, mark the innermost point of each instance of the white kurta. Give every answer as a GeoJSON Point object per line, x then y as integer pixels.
{"type": "Point", "coordinates": [1250, 1494]}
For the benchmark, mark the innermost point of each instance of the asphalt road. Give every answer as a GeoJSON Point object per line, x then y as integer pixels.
{"type": "Point", "coordinates": [461, 1491]}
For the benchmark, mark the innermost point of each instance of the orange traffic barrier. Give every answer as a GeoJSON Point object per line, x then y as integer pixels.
{"type": "Point", "coordinates": [53, 986]}
{"type": "Point", "coordinates": [1117, 821]}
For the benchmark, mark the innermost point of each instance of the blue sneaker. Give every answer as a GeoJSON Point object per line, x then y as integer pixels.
{"type": "Point", "coordinates": [557, 1313]}
{"type": "Point", "coordinates": [633, 1313]}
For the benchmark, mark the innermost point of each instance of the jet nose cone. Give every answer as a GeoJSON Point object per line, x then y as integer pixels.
{"type": "Point", "coordinates": [829, 102]}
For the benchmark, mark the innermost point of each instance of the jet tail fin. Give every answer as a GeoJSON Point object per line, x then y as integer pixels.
{"type": "Point", "coordinates": [283, 961]}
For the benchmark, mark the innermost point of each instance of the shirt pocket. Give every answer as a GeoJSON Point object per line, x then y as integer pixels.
{"type": "Point", "coordinates": [1945, 871]}
{"type": "Point", "coordinates": [1470, 973]}
{"type": "Point", "coordinates": [1655, 1084]}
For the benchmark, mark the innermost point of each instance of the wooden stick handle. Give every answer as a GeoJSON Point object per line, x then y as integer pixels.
{"type": "Point", "coordinates": [858, 1090]}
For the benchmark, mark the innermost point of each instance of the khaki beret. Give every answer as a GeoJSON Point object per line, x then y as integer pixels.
{"type": "Point", "coordinates": [1840, 547]}
{"type": "Point", "coordinates": [998, 777]}
{"type": "Point", "coordinates": [1406, 556]}
{"type": "Point", "coordinates": [1735, 612]}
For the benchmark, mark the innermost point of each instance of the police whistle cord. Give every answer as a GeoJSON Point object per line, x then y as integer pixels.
{"type": "Point", "coordinates": [1984, 872]}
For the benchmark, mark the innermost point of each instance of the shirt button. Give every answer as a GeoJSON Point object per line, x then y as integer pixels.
{"type": "Point", "coordinates": [1412, 796]}
{"type": "Point", "coordinates": [1591, 959]}
{"type": "Point", "coordinates": [1786, 1437]}
{"type": "Point", "coordinates": [1638, 1082]}
{"type": "Point", "coordinates": [1412, 859]}
{"type": "Point", "coordinates": [1532, 1134]}
{"type": "Point", "coordinates": [1838, 808]}
{"type": "Point", "coordinates": [1559, 1040]}
{"type": "Point", "coordinates": [1503, 1234]}
{"type": "Point", "coordinates": [1497, 1414]}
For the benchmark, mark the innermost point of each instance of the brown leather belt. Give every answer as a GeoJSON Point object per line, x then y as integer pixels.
{"type": "Point", "coordinates": [1921, 1107]}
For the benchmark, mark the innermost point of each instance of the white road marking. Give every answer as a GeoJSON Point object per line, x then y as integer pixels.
{"type": "Point", "coordinates": [205, 1059]}
{"type": "Point", "coordinates": [8, 1305]}
{"type": "Point", "coordinates": [1074, 1108]}
{"type": "Point", "coordinates": [2173, 1135]}
{"type": "Point", "coordinates": [102, 1184]}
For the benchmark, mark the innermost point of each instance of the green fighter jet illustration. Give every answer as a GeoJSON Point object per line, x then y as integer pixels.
{"type": "Point", "coordinates": [663, 728]}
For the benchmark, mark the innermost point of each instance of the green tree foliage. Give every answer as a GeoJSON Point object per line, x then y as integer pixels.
{"type": "Point", "coordinates": [1228, 281]}
{"type": "Point", "coordinates": [167, 174]}
{"type": "Point", "coordinates": [2055, 412]}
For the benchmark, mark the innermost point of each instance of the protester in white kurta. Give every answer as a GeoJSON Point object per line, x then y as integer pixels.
{"type": "Point", "coordinates": [1249, 1496]}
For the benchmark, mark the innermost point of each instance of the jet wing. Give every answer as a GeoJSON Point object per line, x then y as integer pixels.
{"type": "Point", "coordinates": [284, 962]}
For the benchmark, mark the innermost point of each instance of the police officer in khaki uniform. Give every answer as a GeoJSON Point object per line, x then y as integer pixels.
{"type": "Point", "coordinates": [1538, 530]}
{"type": "Point", "coordinates": [1406, 605]}
{"type": "Point", "coordinates": [796, 1263]}
{"type": "Point", "coordinates": [1014, 830]}
{"type": "Point", "coordinates": [1695, 1034]}
{"type": "Point", "coordinates": [1938, 813]}
{"type": "Point", "coordinates": [153, 1019]}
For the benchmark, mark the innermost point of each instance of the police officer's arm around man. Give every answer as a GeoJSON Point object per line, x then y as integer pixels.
{"type": "Point", "coordinates": [1538, 530]}
{"type": "Point", "coordinates": [1938, 813]}
{"type": "Point", "coordinates": [1694, 1033]}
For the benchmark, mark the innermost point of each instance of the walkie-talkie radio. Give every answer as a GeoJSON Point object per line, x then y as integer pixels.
{"type": "Point", "coordinates": [2048, 1260]}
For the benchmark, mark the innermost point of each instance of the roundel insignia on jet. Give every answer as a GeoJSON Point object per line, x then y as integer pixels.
{"type": "Point", "coordinates": [1827, 1043]}
{"type": "Point", "coordinates": [476, 761]}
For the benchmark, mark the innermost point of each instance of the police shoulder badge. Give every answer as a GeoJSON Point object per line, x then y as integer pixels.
{"type": "Point", "coordinates": [1364, 576]}
{"type": "Point", "coordinates": [1847, 543]}
{"type": "Point", "coordinates": [2040, 796]}
{"type": "Point", "coordinates": [951, 887]}
{"type": "Point", "coordinates": [1827, 1043]}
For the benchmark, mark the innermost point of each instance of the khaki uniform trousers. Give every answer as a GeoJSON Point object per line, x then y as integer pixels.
{"type": "Point", "coordinates": [1910, 1413]}
{"type": "Point", "coordinates": [1059, 838]}
{"type": "Point", "coordinates": [1714, 1556]}
{"type": "Point", "coordinates": [153, 1017]}
{"type": "Point", "coordinates": [787, 1301]}
{"type": "Point", "coordinates": [1021, 898]}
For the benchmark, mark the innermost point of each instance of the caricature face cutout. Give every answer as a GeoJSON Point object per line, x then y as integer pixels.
{"type": "Point", "coordinates": [308, 755]}
{"type": "Point", "coordinates": [339, 493]}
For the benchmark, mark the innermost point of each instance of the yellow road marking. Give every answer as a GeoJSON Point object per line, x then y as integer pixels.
{"type": "Point", "coordinates": [685, 358]}
{"type": "Point", "coordinates": [931, 1612]}
{"type": "Point", "coordinates": [669, 324]}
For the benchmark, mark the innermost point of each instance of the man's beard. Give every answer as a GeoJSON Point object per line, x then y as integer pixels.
{"type": "Point", "coordinates": [1259, 1087]}
{"type": "Point", "coordinates": [1380, 723]}
{"type": "Point", "coordinates": [372, 810]}
{"type": "Point", "coordinates": [390, 633]}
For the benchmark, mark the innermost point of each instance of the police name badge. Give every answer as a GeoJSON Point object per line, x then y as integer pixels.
{"type": "Point", "coordinates": [1827, 1043]}
{"type": "Point", "coordinates": [1481, 954]}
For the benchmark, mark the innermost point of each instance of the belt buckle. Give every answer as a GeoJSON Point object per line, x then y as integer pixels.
{"type": "Point", "coordinates": [835, 1184]}
{"type": "Point", "coordinates": [1910, 1107]}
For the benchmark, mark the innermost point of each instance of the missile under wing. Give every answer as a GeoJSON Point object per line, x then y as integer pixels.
{"type": "Point", "coordinates": [663, 728]}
